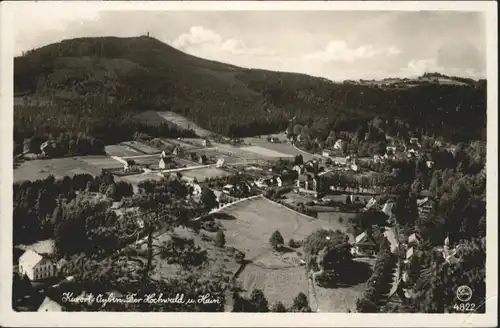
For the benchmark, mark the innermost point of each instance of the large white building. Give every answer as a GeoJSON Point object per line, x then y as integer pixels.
{"type": "Point", "coordinates": [35, 266]}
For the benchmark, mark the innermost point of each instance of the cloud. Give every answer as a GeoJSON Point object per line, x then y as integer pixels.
{"type": "Point", "coordinates": [340, 51]}
{"type": "Point", "coordinates": [432, 65]}
{"type": "Point", "coordinates": [201, 41]}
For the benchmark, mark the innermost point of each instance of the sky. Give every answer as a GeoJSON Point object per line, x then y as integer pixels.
{"type": "Point", "coordinates": [337, 45]}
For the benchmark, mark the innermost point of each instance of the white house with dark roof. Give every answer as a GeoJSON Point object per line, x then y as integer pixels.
{"type": "Point", "coordinates": [220, 162]}
{"type": "Point", "coordinates": [36, 266]}
{"type": "Point", "coordinates": [388, 208]}
{"type": "Point", "coordinates": [413, 239]}
{"type": "Point", "coordinates": [339, 144]}
{"type": "Point", "coordinates": [364, 245]}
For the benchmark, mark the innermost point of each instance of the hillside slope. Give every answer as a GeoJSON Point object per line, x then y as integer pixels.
{"type": "Point", "coordinates": [142, 73]}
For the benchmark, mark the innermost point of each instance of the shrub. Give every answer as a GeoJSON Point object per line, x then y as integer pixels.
{"type": "Point", "coordinates": [276, 240]}
{"type": "Point", "coordinates": [220, 239]}
{"type": "Point", "coordinates": [293, 243]}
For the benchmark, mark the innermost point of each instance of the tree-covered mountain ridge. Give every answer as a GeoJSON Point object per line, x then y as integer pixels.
{"type": "Point", "coordinates": [143, 73]}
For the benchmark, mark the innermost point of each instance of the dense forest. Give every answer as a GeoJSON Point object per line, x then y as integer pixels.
{"type": "Point", "coordinates": [109, 78]}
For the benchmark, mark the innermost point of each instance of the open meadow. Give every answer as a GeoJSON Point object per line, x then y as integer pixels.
{"type": "Point", "coordinates": [141, 147]}
{"type": "Point", "coordinates": [121, 151]}
{"type": "Point", "coordinates": [276, 284]}
{"type": "Point", "coordinates": [184, 123]}
{"type": "Point", "coordinates": [280, 274]}
{"type": "Point", "coordinates": [60, 167]}
{"type": "Point", "coordinates": [205, 173]}
{"type": "Point", "coordinates": [219, 259]}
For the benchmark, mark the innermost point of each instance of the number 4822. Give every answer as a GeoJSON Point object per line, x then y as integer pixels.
{"type": "Point", "coordinates": [464, 307]}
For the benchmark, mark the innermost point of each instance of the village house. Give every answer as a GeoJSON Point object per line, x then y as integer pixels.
{"type": "Point", "coordinates": [413, 239]}
{"type": "Point", "coordinates": [206, 143]}
{"type": "Point", "coordinates": [177, 150]}
{"type": "Point", "coordinates": [414, 141]}
{"type": "Point", "coordinates": [424, 206]}
{"type": "Point", "coordinates": [35, 266]}
{"type": "Point", "coordinates": [364, 245]}
{"type": "Point", "coordinates": [409, 255]}
{"type": "Point", "coordinates": [388, 209]}
{"type": "Point", "coordinates": [372, 202]}
{"type": "Point", "coordinates": [269, 181]}
{"type": "Point", "coordinates": [339, 144]}
{"type": "Point", "coordinates": [327, 152]}
{"type": "Point", "coordinates": [162, 163]}
{"type": "Point", "coordinates": [391, 149]}
{"type": "Point", "coordinates": [307, 181]}
{"type": "Point", "coordinates": [47, 147]}
{"type": "Point", "coordinates": [49, 305]}
{"type": "Point", "coordinates": [220, 163]}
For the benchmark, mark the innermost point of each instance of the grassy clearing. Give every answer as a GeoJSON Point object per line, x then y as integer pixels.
{"type": "Point", "coordinates": [121, 151]}
{"type": "Point", "coordinates": [219, 260]}
{"type": "Point", "coordinates": [138, 178]}
{"type": "Point", "coordinates": [265, 152]}
{"type": "Point", "coordinates": [102, 162]}
{"type": "Point", "coordinates": [58, 167]}
{"type": "Point", "coordinates": [205, 173]}
{"type": "Point", "coordinates": [278, 285]}
{"type": "Point", "coordinates": [139, 146]}
{"type": "Point", "coordinates": [257, 219]}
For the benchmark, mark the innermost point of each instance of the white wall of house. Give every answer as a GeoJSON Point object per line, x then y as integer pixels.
{"type": "Point", "coordinates": [42, 270]}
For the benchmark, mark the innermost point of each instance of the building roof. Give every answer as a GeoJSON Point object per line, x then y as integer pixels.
{"type": "Point", "coordinates": [360, 237]}
{"type": "Point", "coordinates": [409, 253]}
{"type": "Point", "coordinates": [31, 258]}
{"type": "Point", "coordinates": [421, 202]}
{"type": "Point", "coordinates": [413, 237]}
{"type": "Point", "coordinates": [364, 238]}
{"type": "Point", "coordinates": [49, 305]}
{"type": "Point", "coordinates": [387, 209]}
{"type": "Point", "coordinates": [425, 193]}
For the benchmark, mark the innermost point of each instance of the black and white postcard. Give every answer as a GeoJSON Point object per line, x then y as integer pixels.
{"type": "Point", "coordinates": [281, 163]}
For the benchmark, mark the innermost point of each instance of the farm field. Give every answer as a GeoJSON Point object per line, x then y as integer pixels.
{"type": "Point", "coordinates": [121, 151]}
{"type": "Point", "coordinates": [139, 146]}
{"type": "Point", "coordinates": [257, 219]}
{"type": "Point", "coordinates": [184, 123]}
{"type": "Point", "coordinates": [284, 148]}
{"type": "Point", "coordinates": [279, 275]}
{"type": "Point", "coordinates": [338, 299]}
{"type": "Point", "coordinates": [204, 173]}
{"type": "Point", "coordinates": [180, 143]}
{"type": "Point", "coordinates": [276, 284]}
{"type": "Point", "coordinates": [265, 152]}
{"type": "Point", "coordinates": [58, 167]}
{"type": "Point", "coordinates": [138, 178]}
{"type": "Point", "coordinates": [102, 162]}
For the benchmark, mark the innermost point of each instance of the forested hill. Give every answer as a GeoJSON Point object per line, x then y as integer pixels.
{"type": "Point", "coordinates": [142, 73]}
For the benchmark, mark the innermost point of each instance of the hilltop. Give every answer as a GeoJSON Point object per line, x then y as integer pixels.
{"type": "Point", "coordinates": [143, 74]}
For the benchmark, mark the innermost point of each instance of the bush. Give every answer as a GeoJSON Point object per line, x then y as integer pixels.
{"type": "Point", "coordinates": [294, 243]}
{"type": "Point", "coordinates": [276, 240]}
{"type": "Point", "coordinates": [220, 239]}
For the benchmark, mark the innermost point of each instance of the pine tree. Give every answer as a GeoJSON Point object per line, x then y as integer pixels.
{"type": "Point", "coordinates": [276, 240]}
